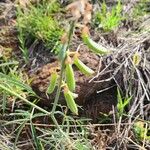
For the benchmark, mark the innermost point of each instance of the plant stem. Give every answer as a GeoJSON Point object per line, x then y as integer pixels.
{"type": "Point", "coordinates": [59, 128]}
{"type": "Point", "coordinates": [59, 88]}
{"type": "Point", "coordinates": [71, 31]}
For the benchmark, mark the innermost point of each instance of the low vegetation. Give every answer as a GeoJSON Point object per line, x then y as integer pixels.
{"type": "Point", "coordinates": [78, 106]}
{"type": "Point", "coordinates": [38, 23]}
{"type": "Point", "coordinates": [108, 20]}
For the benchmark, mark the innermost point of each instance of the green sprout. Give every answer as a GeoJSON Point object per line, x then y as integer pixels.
{"type": "Point", "coordinates": [109, 20]}
{"type": "Point", "coordinates": [122, 103]}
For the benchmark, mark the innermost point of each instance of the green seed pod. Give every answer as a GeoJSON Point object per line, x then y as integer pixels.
{"type": "Point", "coordinates": [93, 46]}
{"type": "Point", "coordinates": [70, 101]}
{"type": "Point", "coordinates": [70, 80]}
{"type": "Point", "coordinates": [64, 46]}
{"type": "Point", "coordinates": [53, 82]}
{"type": "Point", "coordinates": [62, 52]}
{"type": "Point", "coordinates": [82, 67]}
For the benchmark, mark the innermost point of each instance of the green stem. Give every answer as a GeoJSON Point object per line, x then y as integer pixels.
{"type": "Point", "coordinates": [71, 31]}
{"type": "Point", "coordinates": [60, 130]}
{"type": "Point", "coordinates": [59, 88]}
{"type": "Point", "coordinates": [57, 125]}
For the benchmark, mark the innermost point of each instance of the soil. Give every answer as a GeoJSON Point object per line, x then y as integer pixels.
{"type": "Point", "coordinates": [8, 39]}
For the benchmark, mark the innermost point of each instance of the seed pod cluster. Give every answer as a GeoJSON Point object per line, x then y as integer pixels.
{"type": "Point", "coordinates": [70, 101]}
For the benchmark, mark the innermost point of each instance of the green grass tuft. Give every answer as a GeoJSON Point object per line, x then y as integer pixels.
{"type": "Point", "coordinates": [38, 23]}
{"type": "Point", "coordinates": [108, 20]}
